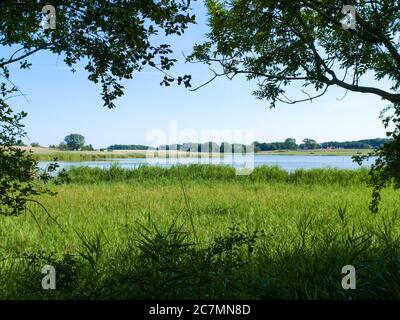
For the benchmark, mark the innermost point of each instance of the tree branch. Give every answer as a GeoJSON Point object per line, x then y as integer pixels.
{"type": "Point", "coordinates": [395, 98]}
{"type": "Point", "coordinates": [386, 42]}
{"type": "Point", "coordinates": [11, 60]}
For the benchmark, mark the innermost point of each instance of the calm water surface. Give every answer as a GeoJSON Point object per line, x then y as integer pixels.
{"type": "Point", "coordinates": [289, 163]}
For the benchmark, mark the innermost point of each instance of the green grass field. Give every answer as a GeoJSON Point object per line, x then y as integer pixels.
{"type": "Point", "coordinates": [49, 155]}
{"type": "Point", "coordinates": [202, 232]}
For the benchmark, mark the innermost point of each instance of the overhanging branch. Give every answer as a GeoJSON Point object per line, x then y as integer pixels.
{"type": "Point", "coordinates": [12, 60]}
{"type": "Point", "coordinates": [392, 97]}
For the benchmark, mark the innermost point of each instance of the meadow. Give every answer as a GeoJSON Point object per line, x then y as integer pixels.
{"type": "Point", "coordinates": [200, 231]}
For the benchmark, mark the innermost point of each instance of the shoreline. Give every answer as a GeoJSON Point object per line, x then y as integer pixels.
{"type": "Point", "coordinates": [105, 155]}
{"type": "Point", "coordinates": [46, 154]}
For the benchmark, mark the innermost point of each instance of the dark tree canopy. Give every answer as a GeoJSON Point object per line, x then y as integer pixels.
{"type": "Point", "coordinates": [282, 42]}
{"type": "Point", "coordinates": [75, 141]}
{"type": "Point", "coordinates": [19, 175]}
{"type": "Point", "coordinates": [113, 38]}
{"type": "Point", "coordinates": [290, 144]}
{"type": "Point", "coordinates": [310, 144]}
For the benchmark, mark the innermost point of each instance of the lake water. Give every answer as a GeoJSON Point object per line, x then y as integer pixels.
{"type": "Point", "coordinates": [289, 163]}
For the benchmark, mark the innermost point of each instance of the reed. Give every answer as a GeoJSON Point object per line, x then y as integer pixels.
{"type": "Point", "coordinates": [203, 232]}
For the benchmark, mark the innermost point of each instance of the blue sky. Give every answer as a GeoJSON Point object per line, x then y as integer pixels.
{"type": "Point", "coordinates": [61, 102]}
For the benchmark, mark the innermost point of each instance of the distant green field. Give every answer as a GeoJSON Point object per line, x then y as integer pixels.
{"type": "Point", "coordinates": [46, 154]}
{"type": "Point", "coordinates": [84, 155]}
{"type": "Point", "coordinates": [49, 155]}
{"type": "Point", "coordinates": [271, 235]}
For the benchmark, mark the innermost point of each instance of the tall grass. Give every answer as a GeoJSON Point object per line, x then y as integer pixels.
{"type": "Point", "coordinates": [195, 172]}
{"type": "Point", "coordinates": [203, 232]}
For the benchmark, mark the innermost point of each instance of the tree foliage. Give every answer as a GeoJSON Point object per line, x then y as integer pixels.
{"type": "Point", "coordinates": [20, 178]}
{"type": "Point", "coordinates": [282, 42]}
{"type": "Point", "coordinates": [75, 141]}
{"type": "Point", "coordinates": [290, 144]}
{"type": "Point", "coordinates": [360, 144]}
{"type": "Point", "coordinates": [113, 38]}
{"type": "Point", "coordinates": [310, 144]}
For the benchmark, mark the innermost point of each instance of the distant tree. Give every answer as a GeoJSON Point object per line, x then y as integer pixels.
{"type": "Point", "coordinates": [74, 141]}
{"type": "Point", "coordinates": [376, 143]}
{"type": "Point", "coordinates": [360, 144]}
{"type": "Point", "coordinates": [35, 144]}
{"type": "Point", "coordinates": [191, 147]}
{"type": "Point", "coordinates": [257, 146]}
{"type": "Point", "coordinates": [62, 146]}
{"type": "Point", "coordinates": [163, 147]}
{"type": "Point", "coordinates": [209, 147]}
{"type": "Point", "coordinates": [270, 146]}
{"type": "Point", "coordinates": [175, 146]}
{"type": "Point", "coordinates": [129, 147]}
{"type": "Point", "coordinates": [88, 147]}
{"type": "Point", "coordinates": [310, 144]}
{"type": "Point", "coordinates": [226, 147]}
{"type": "Point", "coordinates": [239, 148]}
{"type": "Point", "coordinates": [290, 144]}
{"type": "Point", "coordinates": [171, 147]}
{"type": "Point", "coordinates": [20, 144]}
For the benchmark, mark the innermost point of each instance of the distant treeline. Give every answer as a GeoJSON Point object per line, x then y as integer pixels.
{"type": "Point", "coordinates": [189, 147]}
{"type": "Point", "coordinates": [288, 144]}
{"type": "Point", "coordinates": [310, 144]}
{"type": "Point", "coordinates": [361, 144]}
{"type": "Point", "coordinates": [129, 147]}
